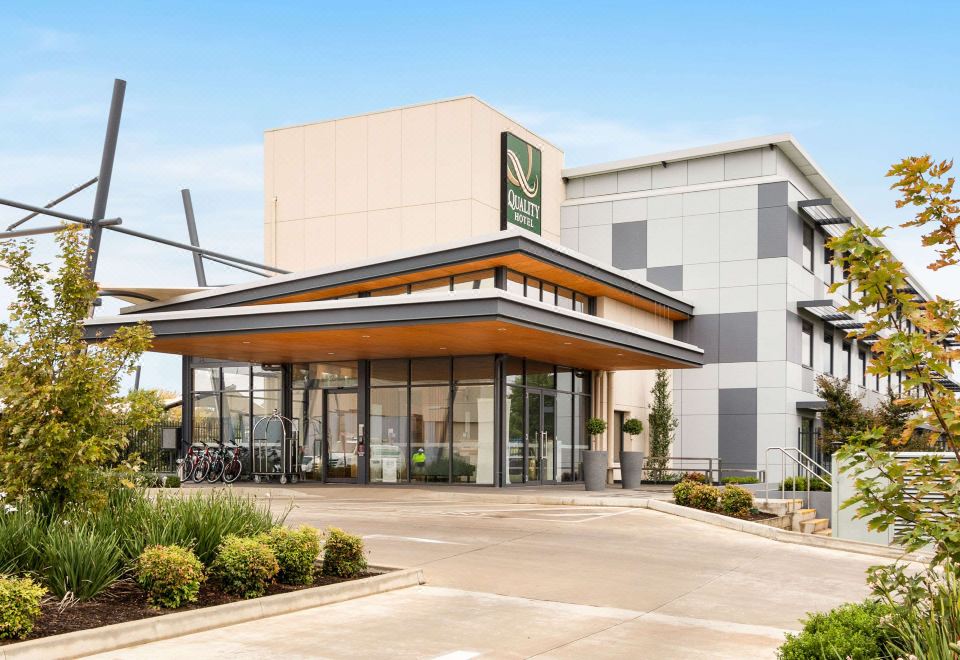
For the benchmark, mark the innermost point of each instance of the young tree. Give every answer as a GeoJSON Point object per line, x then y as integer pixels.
{"type": "Point", "coordinates": [63, 419]}
{"type": "Point", "coordinates": [844, 415]}
{"type": "Point", "coordinates": [919, 339]}
{"type": "Point", "coordinates": [662, 426]}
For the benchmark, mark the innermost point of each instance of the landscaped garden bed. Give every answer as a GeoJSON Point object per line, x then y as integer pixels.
{"type": "Point", "coordinates": [132, 556]}
{"type": "Point", "coordinates": [730, 500]}
{"type": "Point", "coordinates": [126, 601]}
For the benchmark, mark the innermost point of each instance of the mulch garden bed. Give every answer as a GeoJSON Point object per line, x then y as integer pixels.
{"type": "Point", "coordinates": [760, 515]}
{"type": "Point", "coordinates": [125, 601]}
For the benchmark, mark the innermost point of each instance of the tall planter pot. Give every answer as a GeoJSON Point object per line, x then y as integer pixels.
{"type": "Point", "coordinates": [595, 470]}
{"type": "Point", "coordinates": [631, 469]}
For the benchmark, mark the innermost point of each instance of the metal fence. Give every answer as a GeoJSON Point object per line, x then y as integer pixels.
{"type": "Point", "coordinates": [158, 446]}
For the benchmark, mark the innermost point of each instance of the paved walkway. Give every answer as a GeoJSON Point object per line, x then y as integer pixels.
{"type": "Point", "coordinates": [526, 580]}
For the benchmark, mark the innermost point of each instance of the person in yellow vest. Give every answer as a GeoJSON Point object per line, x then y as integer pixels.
{"type": "Point", "coordinates": [419, 463]}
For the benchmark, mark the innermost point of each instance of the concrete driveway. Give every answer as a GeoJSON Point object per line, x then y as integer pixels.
{"type": "Point", "coordinates": [516, 580]}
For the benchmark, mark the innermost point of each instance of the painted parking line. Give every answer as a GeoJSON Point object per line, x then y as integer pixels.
{"type": "Point", "coordinates": [457, 655]}
{"type": "Point", "coordinates": [412, 539]}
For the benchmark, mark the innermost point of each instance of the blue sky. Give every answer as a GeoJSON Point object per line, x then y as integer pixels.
{"type": "Point", "coordinates": [860, 84]}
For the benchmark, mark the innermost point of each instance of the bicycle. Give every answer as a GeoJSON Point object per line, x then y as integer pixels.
{"type": "Point", "coordinates": [232, 468]}
{"type": "Point", "coordinates": [187, 464]}
{"type": "Point", "coordinates": [202, 468]}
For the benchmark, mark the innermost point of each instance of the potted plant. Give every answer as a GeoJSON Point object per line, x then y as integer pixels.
{"type": "Point", "coordinates": [594, 461]}
{"type": "Point", "coordinates": [631, 462]}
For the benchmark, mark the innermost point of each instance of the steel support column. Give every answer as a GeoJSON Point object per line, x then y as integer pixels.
{"type": "Point", "coordinates": [106, 173]}
{"type": "Point", "coordinates": [194, 240]}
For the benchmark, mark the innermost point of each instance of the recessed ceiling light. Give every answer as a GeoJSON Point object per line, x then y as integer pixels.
{"type": "Point", "coordinates": [331, 353]}
{"type": "Point", "coordinates": [567, 343]}
{"type": "Point", "coordinates": [501, 329]}
{"type": "Point", "coordinates": [619, 354]}
{"type": "Point", "coordinates": [244, 342]}
{"type": "Point", "coordinates": [364, 336]}
{"type": "Point", "coordinates": [443, 348]}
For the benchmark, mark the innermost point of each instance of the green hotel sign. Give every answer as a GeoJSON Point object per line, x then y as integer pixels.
{"type": "Point", "coordinates": [520, 183]}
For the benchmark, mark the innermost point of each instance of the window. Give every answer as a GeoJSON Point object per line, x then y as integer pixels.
{"type": "Point", "coordinates": [533, 289]}
{"type": "Point", "coordinates": [515, 283]}
{"type": "Point", "coordinates": [845, 361]}
{"type": "Point", "coordinates": [828, 275]}
{"type": "Point", "coordinates": [862, 367]}
{"type": "Point", "coordinates": [480, 280]}
{"type": "Point", "coordinates": [618, 419]}
{"type": "Point", "coordinates": [806, 341]}
{"type": "Point", "coordinates": [827, 352]}
{"type": "Point", "coordinates": [808, 247]}
{"type": "Point", "coordinates": [536, 289]}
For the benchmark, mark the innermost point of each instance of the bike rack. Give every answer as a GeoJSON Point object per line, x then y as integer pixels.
{"type": "Point", "coordinates": [272, 458]}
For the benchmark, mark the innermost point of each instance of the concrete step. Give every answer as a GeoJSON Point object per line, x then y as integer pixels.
{"type": "Point", "coordinates": [807, 514]}
{"type": "Point", "coordinates": [815, 525]}
{"type": "Point", "coordinates": [824, 532]}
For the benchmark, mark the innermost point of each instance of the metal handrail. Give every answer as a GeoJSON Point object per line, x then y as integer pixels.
{"type": "Point", "coordinates": [708, 472]}
{"type": "Point", "coordinates": [784, 454]}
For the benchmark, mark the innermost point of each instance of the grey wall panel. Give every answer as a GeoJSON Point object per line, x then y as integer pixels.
{"type": "Point", "coordinates": [795, 236]}
{"type": "Point", "coordinates": [702, 331]}
{"type": "Point", "coordinates": [772, 194]}
{"type": "Point", "coordinates": [630, 245]}
{"type": "Point", "coordinates": [737, 441]}
{"type": "Point", "coordinates": [738, 401]}
{"type": "Point", "coordinates": [772, 232]}
{"type": "Point", "coordinates": [738, 337]}
{"type": "Point", "coordinates": [669, 277]}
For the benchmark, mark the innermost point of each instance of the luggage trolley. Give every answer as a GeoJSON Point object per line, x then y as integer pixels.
{"type": "Point", "coordinates": [270, 444]}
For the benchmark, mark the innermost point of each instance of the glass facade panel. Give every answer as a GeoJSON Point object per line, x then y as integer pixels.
{"type": "Point", "coordinates": [206, 379]}
{"type": "Point", "coordinates": [581, 304]}
{"type": "Point", "coordinates": [581, 441]}
{"type": "Point", "coordinates": [318, 375]}
{"type": "Point", "coordinates": [515, 283]}
{"type": "Point", "coordinates": [514, 371]}
{"type": "Point", "coordinates": [267, 380]}
{"type": "Point", "coordinates": [235, 418]}
{"type": "Point", "coordinates": [540, 375]}
{"type": "Point", "coordinates": [308, 418]}
{"type": "Point", "coordinates": [206, 417]}
{"type": "Point", "coordinates": [430, 457]}
{"type": "Point", "coordinates": [236, 378]}
{"type": "Point", "coordinates": [565, 470]}
{"type": "Point", "coordinates": [565, 379]}
{"type": "Point", "coordinates": [389, 372]}
{"type": "Point", "coordinates": [431, 286]}
{"type": "Point", "coordinates": [515, 431]}
{"type": "Point", "coordinates": [473, 434]}
{"type": "Point", "coordinates": [342, 417]}
{"type": "Point", "coordinates": [430, 371]}
{"type": "Point", "coordinates": [564, 298]}
{"type": "Point", "coordinates": [390, 291]}
{"type": "Point", "coordinates": [549, 294]}
{"type": "Point", "coordinates": [473, 369]}
{"type": "Point", "coordinates": [389, 441]}
{"type": "Point", "coordinates": [533, 289]}
{"type": "Point", "coordinates": [806, 344]}
{"type": "Point", "coordinates": [479, 280]}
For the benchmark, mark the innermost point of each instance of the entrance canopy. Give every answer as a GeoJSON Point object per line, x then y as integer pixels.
{"type": "Point", "coordinates": [471, 322]}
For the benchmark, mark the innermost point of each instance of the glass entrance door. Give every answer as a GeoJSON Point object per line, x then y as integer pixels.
{"type": "Point", "coordinates": [540, 458]}
{"type": "Point", "coordinates": [342, 417]}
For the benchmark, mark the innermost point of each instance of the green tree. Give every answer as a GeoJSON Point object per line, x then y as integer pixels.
{"type": "Point", "coordinates": [662, 426]}
{"type": "Point", "coordinates": [844, 415]}
{"type": "Point", "coordinates": [917, 338]}
{"type": "Point", "coordinates": [63, 419]}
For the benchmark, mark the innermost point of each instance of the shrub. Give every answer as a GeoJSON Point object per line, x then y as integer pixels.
{"type": "Point", "coordinates": [681, 492]}
{"type": "Point", "coordinates": [244, 566]}
{"type": "Point", "coordinates": [171, 575]}
{"type": "Point", "coordinates": [22, 531]}
{"type": "Point", "coordinates": [739, 480]}
{"type": "Point", "coordinates": [19, 606]}
{"type": "Point", "coordinates": [853, 630]}
{"type": "Point", "coordinates": [736, 501]}
{"type": "Point", "coordinates": [343, 554]}
{"type": "Point", "coordinates": [704, 497]}
{"type": "Point", "coordinates": [171, 481]}
{"type": "Point", "coordinates": [633, 426]}
{"type": "Point", "coordinates": [79, 559]}
{"type": "Point", "coordinates": [805, 483]}
{"type": "Point", "coordinates": [296, 552]}
{"type": "Point", "coordinates": [697, 477]}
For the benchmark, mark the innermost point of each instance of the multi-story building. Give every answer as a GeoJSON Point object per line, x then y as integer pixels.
{"type": "Point", "coordinates": [412, 236]}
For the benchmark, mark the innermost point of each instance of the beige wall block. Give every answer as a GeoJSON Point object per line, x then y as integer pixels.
{"type": "Point", "coordinates": [351, 165]}
{"type": "Point", "coordinates": [419, 155]}
{"type": "Point", "coordinates": [484, 156]}
{"type": "Point", "coordinates": [419, 226]}
{"type": "Point", "coordinates": [351, 237]}
{"type": "Point", "coordinates": [269, 241]}
{"type": "Point", "coordinates": [453, 151]}
{"type": "Point", "coordinates": [320, 173]}
{"type": "Point", "coordinates": [288, 172]}
{"type": "Point", "coordinates": [619, 312]}
{"type": "Point", "coordinates": [453, 221]}
{"type": "Point", "coordinates": [384, 160]}
{"type": "Point", "coordinates": [320, 241]}
{"type": "Point", "coordinates": [290, 242]}
{"type": "Point", "coordinates": [384, 232]}
{"type": "Point", "coordinates": [483, 219]}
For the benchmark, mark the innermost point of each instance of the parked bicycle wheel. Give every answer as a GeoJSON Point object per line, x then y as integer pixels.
{"type": "Point", "coordinates": [216, 469]}
{"type": "Point", "coordinates": [232, 471]}
{"type": "Point", "coordinates": [200, 472]}
{"type": "Point", "coordinates": [185, 469]}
